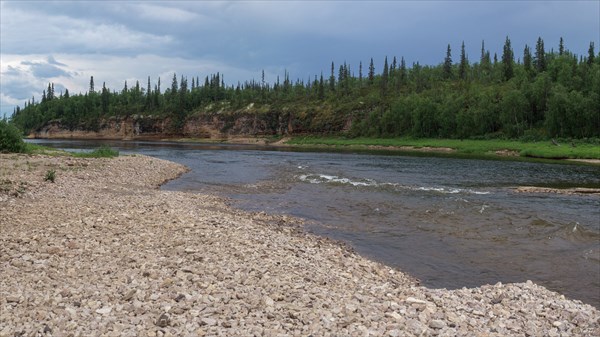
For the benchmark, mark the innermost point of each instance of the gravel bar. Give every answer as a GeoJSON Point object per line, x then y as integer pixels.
{"type": "Point", "coordinates": [101, 251]}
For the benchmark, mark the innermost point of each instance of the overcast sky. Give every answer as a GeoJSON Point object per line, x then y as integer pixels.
{"type": "Point", "coordinates": [67, 42]}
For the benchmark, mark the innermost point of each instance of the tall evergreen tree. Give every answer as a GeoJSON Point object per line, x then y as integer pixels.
{"type": "Point", "coordinates": [91, 84]}
{"type": "Point", "coordinates": [402, 71]}
{"type": "Point", "coordinates": [321, 87]}
{"type": "Point", "coordinates": [104, 97]}
{"type": "Point", "coordinates": [384, 77]}
{"type": "Point", "coordinates": [591, 54]}
{"type": "Point", "coordinates": [507, 61]}
{"type": "Point", "coordinates": [464, 63]}
{"type": "Point", "coordinates": [447, 68]}
{"type": "Point", "coordinates": [540, 56]}
{"type": "Point", "coordinates": [332, 78]}
{"type": "Point", "coordinates": [174, 87]}
{"type": "Point", "coordinates": [49, 93]}
{"type": "Point", "coordinates": [527, 59]}
{"type": "Point", "coordinates": [371, 72]}
{"type": "Point", "coordinates": [482, 58]}
{"type": "Point", "coordinates": [360, 74]}
{"type": "Point", "coordinates": [561, 47]}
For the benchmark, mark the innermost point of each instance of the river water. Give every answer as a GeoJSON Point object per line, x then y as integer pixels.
{"type": "Point", "coordinates": [449, 222]}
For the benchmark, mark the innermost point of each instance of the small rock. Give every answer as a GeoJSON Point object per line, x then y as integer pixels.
{"type": "Point", "coordinates": [104, 310]}
{"type": "Point", "coordinates": [129, 295]}
{"type": "Point", "coordinates": [47, 329]}
{"type": "Point", "coordinates": [437, 324]}
{"type": "Point", "coordinates": [12, 299]}
{"type": "Point", "coordinates": [208, 321]}
{"type": "Point", "coordinates": [71, 311]}
{"type": "Point", "coordinates": [394, 315]}
{"type": "Point", "coordinates": [163, 321]}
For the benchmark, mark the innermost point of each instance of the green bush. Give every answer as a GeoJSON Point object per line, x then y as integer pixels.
{"type": "Point", "coordinates": [50, 176]}
{"type": "Point", "coordinates": [10, 138]}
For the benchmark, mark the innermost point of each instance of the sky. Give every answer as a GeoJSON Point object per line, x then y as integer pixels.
{"type": "Point", "coordinates": [67, 42]}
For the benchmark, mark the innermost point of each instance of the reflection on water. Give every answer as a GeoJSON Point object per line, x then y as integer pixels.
{"type": "Point", "coordinates": [449, 222]}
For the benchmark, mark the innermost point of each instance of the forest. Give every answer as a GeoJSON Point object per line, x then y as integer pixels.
{"type": "Point", "coordinates": [539, 94]}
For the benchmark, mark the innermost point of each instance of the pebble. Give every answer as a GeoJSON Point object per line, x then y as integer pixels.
{"type": "Point", "coordinates": [104, 310]}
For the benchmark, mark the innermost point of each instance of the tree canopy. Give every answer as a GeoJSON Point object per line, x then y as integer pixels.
{"type": "Point", "coordinates": [546, 95]}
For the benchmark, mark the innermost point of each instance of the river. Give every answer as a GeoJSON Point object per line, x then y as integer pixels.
{"type": "Point", "coordinates": [448, 222]}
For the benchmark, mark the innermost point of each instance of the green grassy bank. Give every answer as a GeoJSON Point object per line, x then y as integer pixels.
{"type": "Point", "coordinates": [576, 149]}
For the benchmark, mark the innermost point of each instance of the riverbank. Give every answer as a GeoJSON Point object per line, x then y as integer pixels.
{"type": "Point", "coordinates": [494, 148]}
{"type": "Point", "coordinates": [583, 153]}
{"type": "Point", "coordinates": [573, 152]}
{"type": "Point", "coordinates": [102, 251]}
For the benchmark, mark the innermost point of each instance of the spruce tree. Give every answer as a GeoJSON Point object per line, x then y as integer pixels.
{"type": "Point", "coordinates": [527, 59]}
{"type": "Point", "coordinates": [49, 93]}
{"type": "Point", "coordinates": [332, 78]}
{"type": "Point", "coordinates": [402, 71]}
{"type": "Point", "coordinates": [482, 58]}
{"type": "Point", "coordinates": [447, 68]}
{"type": "Point", "coordinates": [464, 63]}
{"type": "Point", "coordinates": [360, 75]}
{"type": "Point", "coordinates": [371, 72]}
{"type": "Point", "coordinates": [540, 56]}
{"type": "Point", "coordinates": [321, 87]}
{"type": "Point", "coordinates": [591, 55]}
{"type": "Point", "coordinates": [104, 98]}
{"type": "Point", "coordinates": [561, 47]}
{"type": "Point", "coordinates": [91, 84]}
{"type": "Point", "coordinates": [174, 87]}
{"type": "Point", "coordinates": [507, 61]}
{"type": "Point", "coordinates": [384, 77]}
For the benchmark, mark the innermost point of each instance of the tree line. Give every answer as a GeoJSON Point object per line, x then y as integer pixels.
{"type": "Point", "coordinates": [537, 95]}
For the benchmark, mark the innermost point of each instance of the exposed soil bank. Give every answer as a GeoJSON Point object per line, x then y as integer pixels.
{"type": "Point", "coordinates": [103, 252]}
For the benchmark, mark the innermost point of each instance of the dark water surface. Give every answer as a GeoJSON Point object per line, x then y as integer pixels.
{"type": "Point", "coordinates": [449, 222]}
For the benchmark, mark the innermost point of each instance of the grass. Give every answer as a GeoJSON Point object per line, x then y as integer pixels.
{"type": "Point", "coordinates": [101, 152]}
{"type": "Point", "coordinates": [544, 149]}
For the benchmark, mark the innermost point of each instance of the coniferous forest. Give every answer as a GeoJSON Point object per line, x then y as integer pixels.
{"type": "Point", "coordinates": [530, 94]}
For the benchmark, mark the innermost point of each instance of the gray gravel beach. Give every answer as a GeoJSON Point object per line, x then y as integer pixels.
{"type": "Point", "coordinates": [103, 252]}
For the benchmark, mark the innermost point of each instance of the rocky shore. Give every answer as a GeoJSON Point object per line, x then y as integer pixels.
{"type": "Point", "coordinates": [103, 252]}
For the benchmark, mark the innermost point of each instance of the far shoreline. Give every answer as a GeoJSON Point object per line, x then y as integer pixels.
{"type": "Point", "coordinates": [284, 142]}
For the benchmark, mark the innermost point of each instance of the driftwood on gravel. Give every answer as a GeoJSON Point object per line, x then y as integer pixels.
{"type": "Point", "coordinates": [103, 252]}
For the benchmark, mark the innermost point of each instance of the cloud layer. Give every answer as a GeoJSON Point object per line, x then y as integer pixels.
{"type": "Point", "coordinates": [67, 42]}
